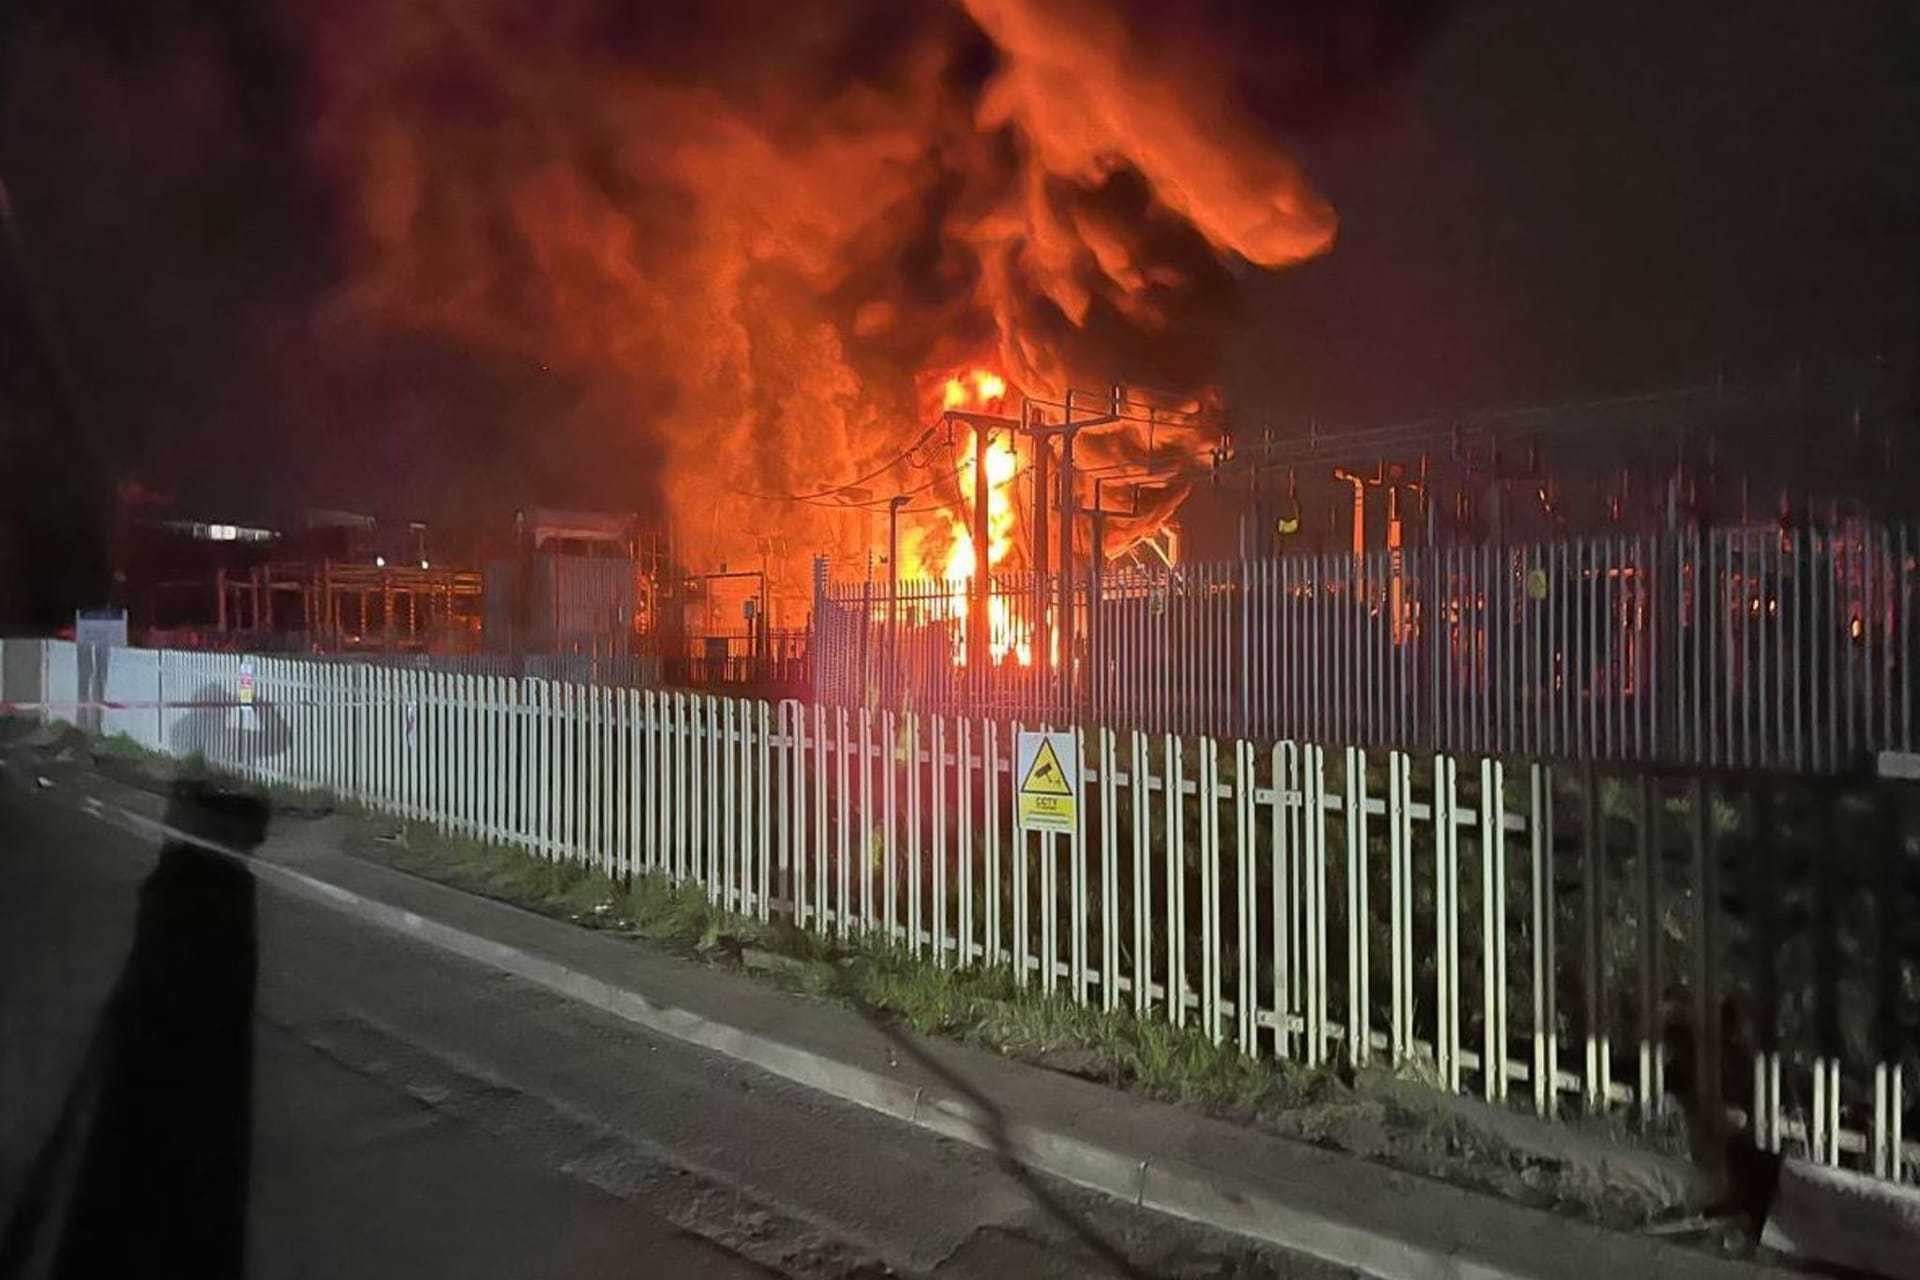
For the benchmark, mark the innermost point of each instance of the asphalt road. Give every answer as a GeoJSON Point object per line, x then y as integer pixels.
{"type": "Point", "coordinates": [201, 1077]}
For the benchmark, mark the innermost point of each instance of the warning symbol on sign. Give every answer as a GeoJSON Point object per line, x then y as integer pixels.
{"type": "Point", "coordinates": [1045, 777]}
{"type": "Point", "coordinates": [1048, 787]}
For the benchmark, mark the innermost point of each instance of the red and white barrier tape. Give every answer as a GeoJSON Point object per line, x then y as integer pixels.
{"type": "Point", "coordinates": [197, 705]}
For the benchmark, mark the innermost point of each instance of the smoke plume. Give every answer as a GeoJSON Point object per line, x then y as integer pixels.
{"type": "Point", "coordinates": [764, 225]}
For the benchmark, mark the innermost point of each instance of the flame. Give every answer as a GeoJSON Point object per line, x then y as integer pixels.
{"type": "Point", "coordinates": [727, 257]}
{"type": "Point", "coordinates": [982, 389]}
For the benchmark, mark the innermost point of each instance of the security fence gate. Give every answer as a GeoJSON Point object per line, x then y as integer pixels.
{"type": "Point", "coordinates": [1566, 939]}
{"type": "Point", "coordinates": [1741, 648]}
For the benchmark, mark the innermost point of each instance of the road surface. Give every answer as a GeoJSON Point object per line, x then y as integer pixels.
{"type": "Point", "coordinates": [205, 1078]}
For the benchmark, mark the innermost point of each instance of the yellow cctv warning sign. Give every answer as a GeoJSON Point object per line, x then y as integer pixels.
{"type": "Point", "coordinates": [1048, 786]}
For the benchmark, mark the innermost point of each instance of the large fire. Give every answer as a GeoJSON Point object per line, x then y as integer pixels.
{"type": "Point", "coordinates": [745, 239]}
{"type": "Point", "coordinates": [983, 390]}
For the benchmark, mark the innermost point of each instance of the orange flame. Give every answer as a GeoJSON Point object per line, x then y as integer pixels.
{"type": "Point", "coordinates": [982, 389]}
{"type": "Point", "coordinates": [725, 255]}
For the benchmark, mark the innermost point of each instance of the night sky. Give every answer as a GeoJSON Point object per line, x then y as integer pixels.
{"type": "Point", "coordinates": [1552, 199]}
{"type": "Point", "coordinates": [1571, 200]}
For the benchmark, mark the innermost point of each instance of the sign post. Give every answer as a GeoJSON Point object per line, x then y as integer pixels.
{"type": "Point", "coordinates": [106, 628]}
{"type": "Point", "coordinates": [1047, 781]}
{"type": "Point", "coordinates": [246, 693]}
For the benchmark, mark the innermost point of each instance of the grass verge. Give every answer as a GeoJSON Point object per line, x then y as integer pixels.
{"type": "Point", "coordinates": [1393, 1119]}
{"type": "Point", "coordinates": [122, 757]}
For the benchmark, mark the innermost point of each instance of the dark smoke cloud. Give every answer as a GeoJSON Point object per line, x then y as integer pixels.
{"type": "Point", "coordinates": [439, 254]}
{"type": "Point", "coordinates": [765, 221]}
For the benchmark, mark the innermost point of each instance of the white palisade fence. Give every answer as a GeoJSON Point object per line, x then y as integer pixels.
{"type": "Point", "coordinates": [1300, 901]}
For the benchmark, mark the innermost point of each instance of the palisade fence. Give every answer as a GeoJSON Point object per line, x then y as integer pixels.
{"type": "Point", "coordinates": [1560, 938]}
{"type": "Point", "coordinates": [749, 662]}
{"type": "Point", "coordinates": [1739, 648]}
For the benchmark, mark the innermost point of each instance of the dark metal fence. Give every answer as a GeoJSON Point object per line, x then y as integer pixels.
{"type": "Point", "coordinates": [1751, 648]}
{"type": "Point", "coordinates": [763, 661]}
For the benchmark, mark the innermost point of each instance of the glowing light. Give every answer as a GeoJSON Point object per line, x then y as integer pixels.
{"type": "Point", "coordinates": [978, 388]}
{"type": "Point", "coordinates": [1007, 636]}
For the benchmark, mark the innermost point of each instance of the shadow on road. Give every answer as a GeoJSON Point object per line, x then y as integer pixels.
{"type": "Point", "coordinates": [1001, 1140]}
{"type": "Point", "coordinates": [146, 1168]}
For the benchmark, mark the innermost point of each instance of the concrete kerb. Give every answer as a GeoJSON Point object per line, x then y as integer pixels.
{"type": "Point", "coordinates": [1240, 1206]}
{"type": "Point", "coordinates": [1171, 1188]}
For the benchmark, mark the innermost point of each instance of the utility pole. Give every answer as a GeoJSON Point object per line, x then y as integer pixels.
{"type": "Point", "coordinates": [890, 669]}
{"type": "Point", "coordinates": [1359, 483]}
{"type": "Point", "coordinates": [1030, 425]}
{"type": "Point", "coordinates": [1097, 516]}
{"type": "Point", "coordinates": [1068, 429]}
{"type": "Point", "coordinates": [1042, 458]}
{"type": "Point", "coordinates": [978, 641]}
{"type": "Point", "coordinates": [978, 606]}
{"type": "Point", "coordinates": [1063, 612]}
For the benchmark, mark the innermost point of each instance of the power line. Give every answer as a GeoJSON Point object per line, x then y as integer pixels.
{"type": "Point", "coordinates": [874, 504]}
{"type": "Point", "coordinates": [905, 455]}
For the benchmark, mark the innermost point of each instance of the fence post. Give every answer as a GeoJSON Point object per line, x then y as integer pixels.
{"type": "Point", "coordinates": [1246, 915]}
{"type": "Point", "coordinates": [1207, 791]}
{"type": "Point", "coordinates": [1140, 798]}
{"type": "Point", "coordinates": [1245, 594]}
{"type": "Point", "coordinates": [1314, 901]}
{"type": "Point", "coordinates": [816, 641]}
{"type": "Point", "coordinates": [1400, 863]}
{"type": "Point", "coordinates": [1546, 1055]}
{"type": "Point", "coordinates": [1593, 852]}
{"type": "Point", "coordinates": [1446, 921]}
{"type": "Point", "coordinates": [1435, 643]}
{"type": "Point", "coordinates": [1493, 938]}
{"type": "Point", "coordinates": [160, 701]}
{"type": "Point", "coordinates": [1359, 1014]}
